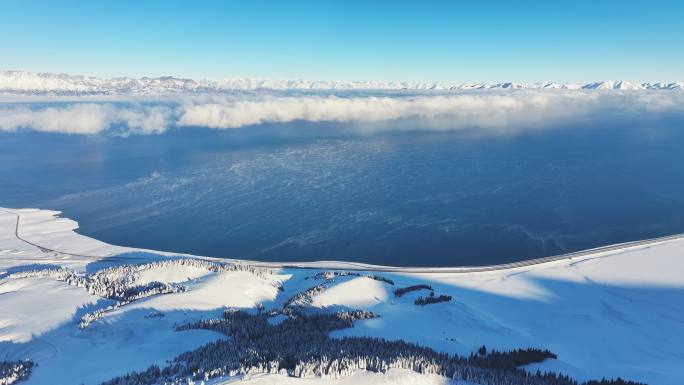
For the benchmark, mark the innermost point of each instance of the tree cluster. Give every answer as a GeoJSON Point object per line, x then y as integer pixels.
{"type": "Point", "coordinates": [513, 358]}
{"type": "Point", "coordinates": [422, 301]}
{"type": "Point", "coordinates": [300, 347]}
{"type": "Point", "coordinates": [616, 381]}
{"type": "Point", "coordinates": [12, 372]}
{"type": "Point", "coordinates": [303, 299]}
{"type": "Point", "coordinates": [334, 273]}
{"type": "Point", "coordinates": [120, 283]}
{"type": "Point", "coordinates": [404, 290]}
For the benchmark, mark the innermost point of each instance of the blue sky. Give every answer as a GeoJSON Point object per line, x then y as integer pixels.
{"type": "Point", "coordinates": [452, 41]}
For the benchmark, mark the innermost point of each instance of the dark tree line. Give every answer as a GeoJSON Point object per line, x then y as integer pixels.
{"type": "Point", "coordinates": [422, 301]}
{"type": "Point", "coordinates": [514, 358]}
{"type": "Point", "coordinates": [301, 300]}
{"type": "Point", "coordinates": [12, 372]}
{"type": "Point", "coordinates": [300, 347]}
{"type": "Point", "coordinates": [617, 381]}
{"type": "Point", "coordinates": [404, 290]}
{"type": "Point", "coordinates": [333, 273]}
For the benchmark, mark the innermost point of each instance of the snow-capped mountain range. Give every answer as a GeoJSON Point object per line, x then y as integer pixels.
{"type": "Point", "coordinates": [21, 82]}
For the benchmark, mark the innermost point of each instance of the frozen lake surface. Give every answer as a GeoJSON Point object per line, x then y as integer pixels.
{"type": "Point", "coordinates": [307, 192]}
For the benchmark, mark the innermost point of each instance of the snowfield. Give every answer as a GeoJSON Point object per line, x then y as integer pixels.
{"type": "Point", "coordinates": [393, 377]}
{"type": "Point", "coordinates": [234, 290]}
{"type": "Point", "coordinates": [33, 306]}
{"type": "Point", "coordinates": [359, 293]}
{"type": "Point", "coordinates": [606, 313]}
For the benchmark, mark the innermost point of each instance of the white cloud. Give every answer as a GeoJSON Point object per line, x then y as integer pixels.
{"type": "Point", "coordinates": [150, 120]}
{"type": "Point", "coordinates": [76, 119]}
{"type": "Point", "coordinates": [86, 118]}
{"type": "Point", "coordinates": [485, 110]}
{"type": "Point", "coordinates": [493, 111]}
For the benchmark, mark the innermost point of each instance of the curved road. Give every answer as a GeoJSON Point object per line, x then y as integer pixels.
{"type": "Point", "coordinates": [341, 265]}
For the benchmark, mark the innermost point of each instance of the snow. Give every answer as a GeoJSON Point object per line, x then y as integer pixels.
{"type": "Point", "coordinates": [608, 312]}
{"type": "Point", "coordinates": [21, 82]}
{"type": "Point", "coordinates": [67, 355]}
{"type": "Point", "coordinates": [235, 289]}
{"type": "Point", "coordinates": [41, 227]}
{"type": "Point", "coordinates": [171, 274]}
{"type": "Point", "coordinates": [358, 293]}
{"type": "Point", "coordinates": [607, 315]}
{"type": "Point", "coordinates": [392, 377]}
{"type": "Point", "coordinates": [32, 306]}
{"type": "Point", "coordinates": [59, 242]}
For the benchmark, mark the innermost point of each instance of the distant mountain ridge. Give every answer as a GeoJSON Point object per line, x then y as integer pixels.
{"type": "Point", "coordinates": [21, 82]}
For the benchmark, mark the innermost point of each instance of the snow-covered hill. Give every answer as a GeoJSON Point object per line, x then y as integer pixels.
{"type": "Point", "coordinates": [20, 82]}
{"type": "Point", "coordinates": [608, 313]}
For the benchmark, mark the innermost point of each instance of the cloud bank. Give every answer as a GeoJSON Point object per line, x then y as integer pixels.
{"type": "Point", "coordinates": [500, 112]}
{"type": "Point", "coordinates": [87, 118]}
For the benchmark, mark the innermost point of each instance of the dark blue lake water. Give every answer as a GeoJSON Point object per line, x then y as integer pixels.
{"type": "Point", "coordinates": [293, 193]}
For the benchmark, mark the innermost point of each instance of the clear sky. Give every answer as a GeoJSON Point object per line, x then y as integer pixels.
{"type": "Point", "coordinates": [452, 41]}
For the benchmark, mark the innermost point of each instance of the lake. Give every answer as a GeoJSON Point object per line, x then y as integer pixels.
{"type": "Point", "coordinates": [310, 191]}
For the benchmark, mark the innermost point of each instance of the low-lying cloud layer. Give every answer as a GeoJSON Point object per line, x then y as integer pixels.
{"type": "Point", "coordinates": [500, 112]}
{"type": "Point", "coordinates": [87, 118]}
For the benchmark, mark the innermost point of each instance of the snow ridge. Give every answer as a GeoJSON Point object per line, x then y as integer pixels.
{"type": "Point", "coordinates": [22, 82]}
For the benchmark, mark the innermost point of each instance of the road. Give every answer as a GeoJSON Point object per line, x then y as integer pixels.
{"type": "Point", "coordinates": [353, 266]}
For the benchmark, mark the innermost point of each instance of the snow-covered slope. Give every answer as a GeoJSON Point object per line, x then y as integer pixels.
{"type": "Point", "coordinates": [33, 306]}
{"type": "Point", "coordinates": [358, 293]}
{"type": "Point", "coordinates": [609, 313]}
{"type": "Point", "coordinates": [393, 377]}
{"type": "Point", "coordinates": [20, 82]}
